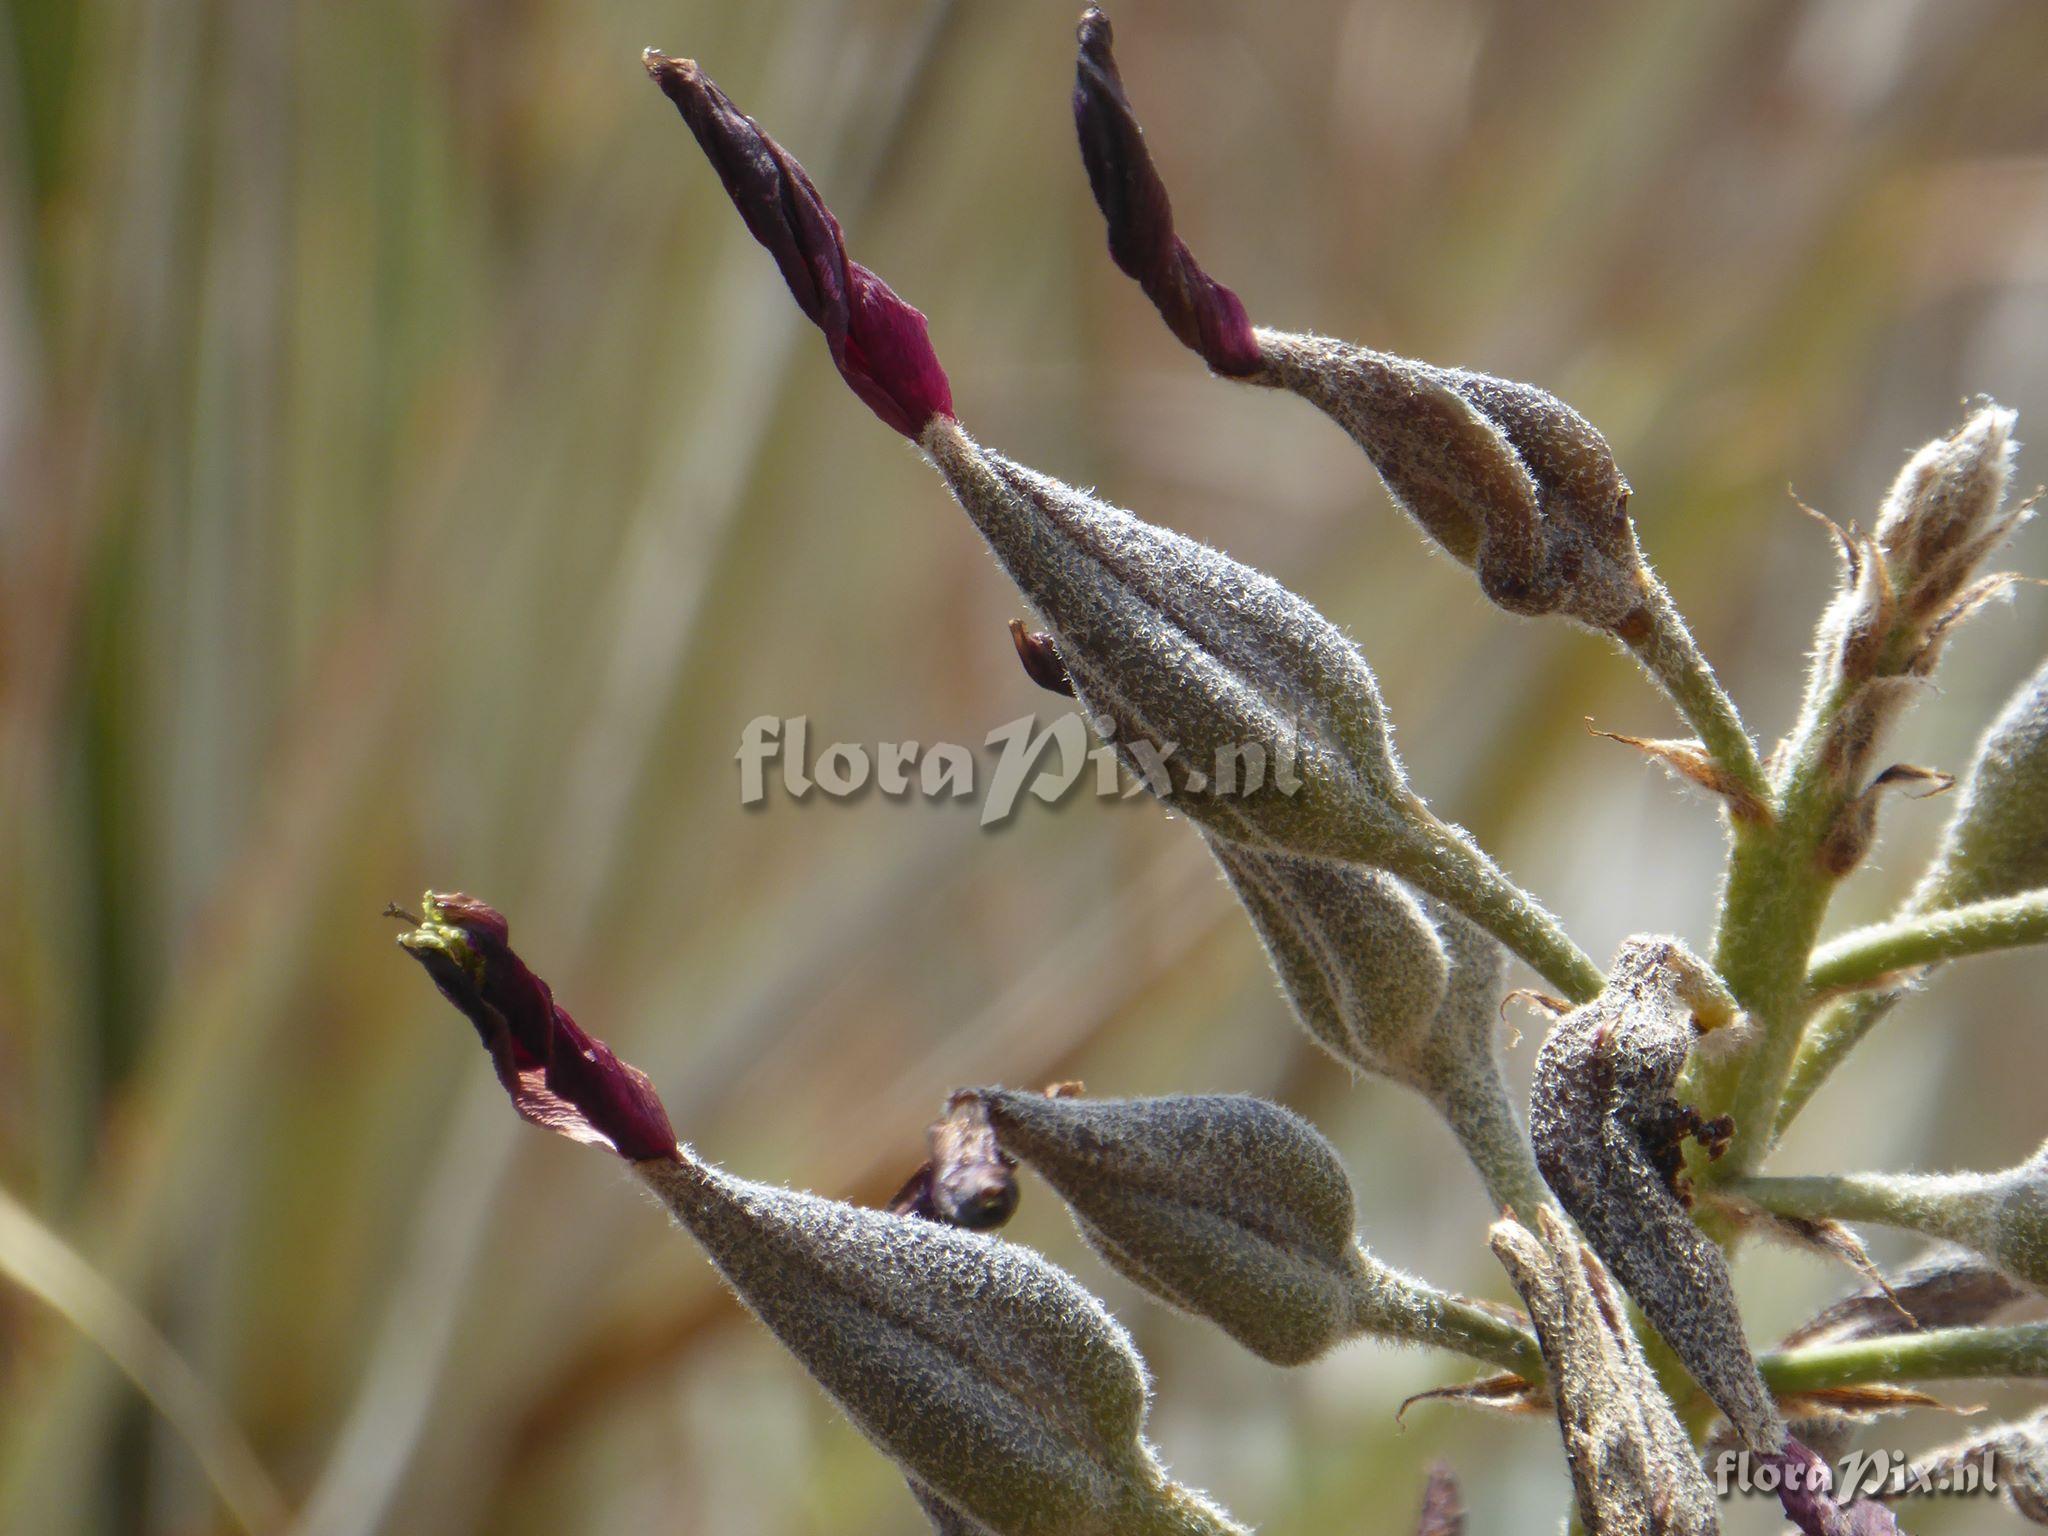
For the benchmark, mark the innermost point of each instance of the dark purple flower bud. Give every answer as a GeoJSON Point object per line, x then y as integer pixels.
{"type": "Point", "coordinates": [557, 1075]}
{"type": "Point", "coordinates": [1040, 655]}
{"type": "Point", "coordinates": [878, 341]}
{"type": "Point", "coordinates": [1206, 316]}
{"type": "Point", "coordinates": [1605, 1125]}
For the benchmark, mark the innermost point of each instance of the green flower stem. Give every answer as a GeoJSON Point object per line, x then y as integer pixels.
{"type": "Point", "coordinates": [1772, 907]}
{"type": "Point", "coordinates": [1949, 1206]}
{"type": "Point", "coordinates": [2017, 1351]}
{"type": "Point", "coordinates": [1493, 1136]}
{"type": "Point", "coordinates": [1424, 1315]}
{"type": "Point", "coordinates": [1444, 861]}
{"type": "Point", "coordinates": [1871, 955]}
{"type": "Point", "coordinates": [1670, 655]}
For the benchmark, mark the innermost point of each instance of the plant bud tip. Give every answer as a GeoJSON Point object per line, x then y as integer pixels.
{"type": "Point", "coordinates": [659, 64]}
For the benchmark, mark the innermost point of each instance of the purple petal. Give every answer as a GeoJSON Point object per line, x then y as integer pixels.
{"type": "Point", "coordinates": [557, 1075]}
{"type": "Point", "coordinates": [1206, 316]}
{"type": "Point", "coordinates": [878, 342]}
{"type": "Point", "coordinates": [1806, 1489]}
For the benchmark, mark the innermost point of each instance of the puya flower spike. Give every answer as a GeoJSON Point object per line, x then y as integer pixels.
{"type": "Point", "coordinates": [1012, 1401]}
{"type": "Point", "coordinates": [1219, 689]}
{"type": "Point", "coordinates": [1608, 1134]}
{"type": "Point", "coordinates": [1995, 846]}
{"type": "Point", "coordinates": [1506, 478]}
{"type": "Point", "coordinates": [1238, 1211]}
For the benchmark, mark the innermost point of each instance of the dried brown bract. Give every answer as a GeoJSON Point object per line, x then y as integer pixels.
{"type": "Point", "coordinates": [1633, 1468]}
{"type": "Point", "coordinates": [1601, 1115]}
{"type": "Point", "coordinates": [968, 1181]}
{"type": "Point", "coordinates": [1951, 1288]}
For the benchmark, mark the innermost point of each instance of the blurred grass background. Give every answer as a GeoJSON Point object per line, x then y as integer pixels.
{"type": "Point", "coordinates": [413, 475]}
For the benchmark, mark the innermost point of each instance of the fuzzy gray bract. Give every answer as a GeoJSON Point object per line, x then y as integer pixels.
{"type": "Point", "coordinates": [1997, 842]}
{"type": "Point", "coordinates": [1001, 1387]}
{"type": "Point", "coordinates": [1173, 645]}
{"type": "Point", "coordinates": [1223, 1205]}
{"type": "Point", "coordinates": [1359, 957]}
{"type": "Point", "coordinates": [1506, 477]}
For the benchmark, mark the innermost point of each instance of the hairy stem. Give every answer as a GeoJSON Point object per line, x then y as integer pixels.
{"type": "Point", "coordinates": [2016, 1351]}
{"type": "Point", "coordinates": [1779, 884]}
{"type": "Point", "coordinates": [1669, 654]}
{"type": "Point", "coordinates": [1947, 1206]}
{"type": "Point", "coordinates": [1421, 1314]}
{"type": "Point", "coordinates": [1871, 956]}
{"type": "Point", "coordinates": [1444, 861]}
{"type": "Point", "coordinates": [1772, 907]}
{"type": "Point", "coordinates": [1494, 1138]}
{"type": "Point", "coordinates": [1771, 910]}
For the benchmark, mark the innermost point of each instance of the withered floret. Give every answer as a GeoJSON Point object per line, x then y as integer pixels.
{"type": "Point", "coordinates": [558, 1076]}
